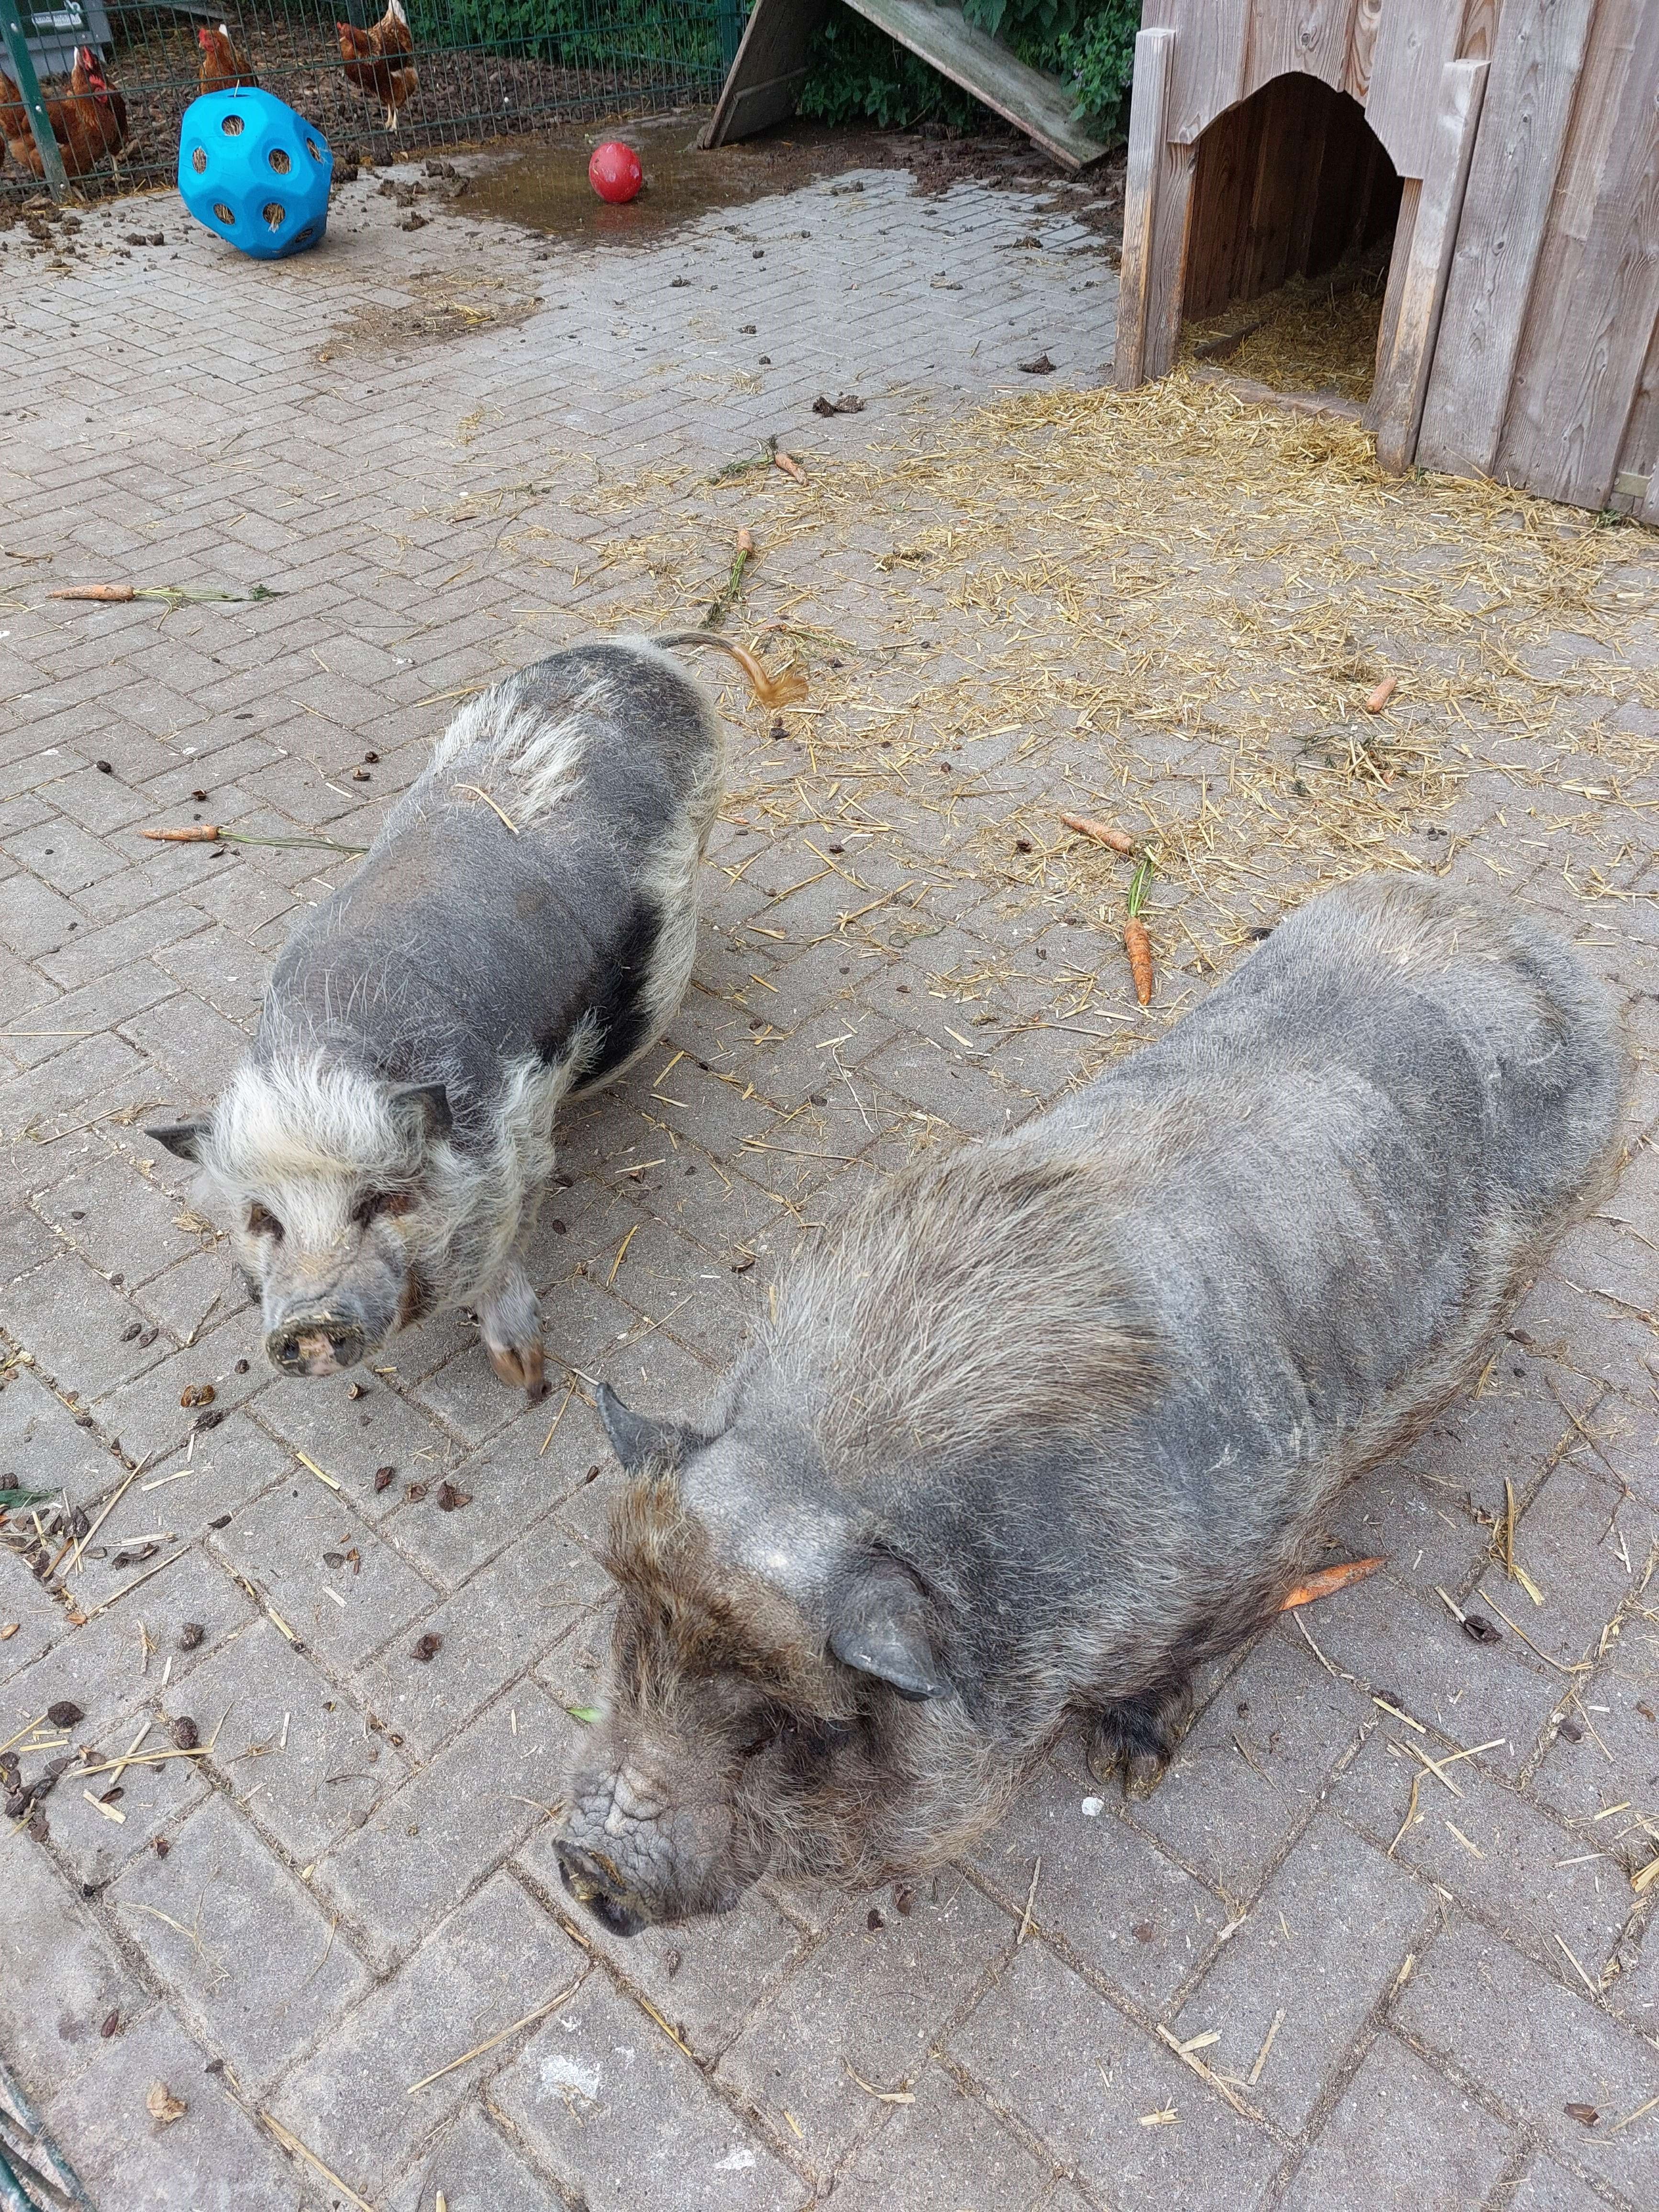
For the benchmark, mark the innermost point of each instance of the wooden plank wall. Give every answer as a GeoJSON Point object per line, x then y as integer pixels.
{"type": "Point", "coordinates": [1309, 36]}
{"type": "Point", "coordinates": [764, 81]}
{"type": "Point", "coordinates": [1362, 50]}
{"type": "Point", "coordinates": [1413, 312]}
{"type": "Point", "coordinates": [1414, 40]}
{"type": "Point", "coordinates": [1212, 38]}
{"type": "Point", "coordinates": [1591, 317]}
{"type": "Point", "coordinates": [1535, 64]}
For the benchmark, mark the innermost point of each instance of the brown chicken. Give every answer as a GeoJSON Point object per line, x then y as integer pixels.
{"type": "Point", "coordinates": [89, 121]}
{"type": "Point", "coordinates": [224, 65]}
{"type": "Point", "coordinates": [373, 60]}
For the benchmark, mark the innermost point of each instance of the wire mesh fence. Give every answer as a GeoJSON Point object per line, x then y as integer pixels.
{"type": "Point", "coordinates": [476, 68]}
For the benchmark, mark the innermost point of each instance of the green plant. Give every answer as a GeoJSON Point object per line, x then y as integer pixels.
{"type": "Point", "coordinates": [858, 73]}
{"type": "Point", "coordinates": [605, 35]}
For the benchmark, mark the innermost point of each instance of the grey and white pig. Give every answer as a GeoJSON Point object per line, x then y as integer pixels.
{"type": "Point", "coordinates": [522, 929]}
{"type": "Point", "coordinates": [1046, 1424]}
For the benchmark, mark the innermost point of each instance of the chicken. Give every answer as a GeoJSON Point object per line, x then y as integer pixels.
{"type": "Point", "coordinates": [87, 122]}
{"type": "Point", "coordinates": [371, 62]}
{"type": "Point", "coordinates": [224, 65]}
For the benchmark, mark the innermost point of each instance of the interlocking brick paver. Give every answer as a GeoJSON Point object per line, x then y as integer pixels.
{"type": "Point", "coordinates": [1402, 2139]}
{"type": "Point", "coordinates": [1411, 1651]}
{"type": "Point", "coordinates": [946, 2153]}
{"type": "Point", "coordinates": [1112, 1902]}
{"type": "Point", "coordinates": [213, 2158]}
{"type": "Point", "coordinates": [1253, 1764]}
{"type": "Point", "coordinates": [1543, 1883]}
{"type": "Point", "coordinates": [291, 1743]}
{"type": "Point", "coordinates": [487, 1964]}
{"type": "Point", "coordinates": [43, 1447]}
{"type": "Point", "coordinates": [52, 2024]}
{"type": "Point", "coordinates": [1539, 2049]}
{"type": "Point", "coordinates": [1546, 2188]}
{"type": "Point", "coordinates": [102, 1667]}
{"type": "Point", "coordinates": [339, 1588]}
{"type": "Point", "coordinates": [248, 1955]}
{"type": "Point", "coordinates": [358, 1879]}
{"type": "Point", "coordinates": [1056, 2058]}
{"type": "Point", "coordinates": [473, 2164]}
{"type": "Point", "coordinates": [623, 2116]}
{"type": "Point", "coordinates": [439, 1833]}
{"type": "Point", "coordinates": [76, 1324]}
{"type": "Point", "coordinates": [1324, 1943]}
{"type": "Point", "coordinates": [870, 2001]}
{"type": "Point", "coordinates": [1583, 1548]}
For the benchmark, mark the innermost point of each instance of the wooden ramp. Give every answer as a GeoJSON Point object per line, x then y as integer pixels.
{"type": "Point", "coordinates": [766, 78]}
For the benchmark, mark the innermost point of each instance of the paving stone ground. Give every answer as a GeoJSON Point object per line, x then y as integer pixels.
{"type": "Point", "coordinates": [1315, 1971]}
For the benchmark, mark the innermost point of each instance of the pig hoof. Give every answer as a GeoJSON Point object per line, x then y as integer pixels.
{"type": "Point", "coordinates": [1138, 1736]}
{"type": "Point", "coordinates": [521, 1366]}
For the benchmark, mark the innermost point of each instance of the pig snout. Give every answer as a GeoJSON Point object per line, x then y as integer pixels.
{"type": "Point", "coordinates": [596, 1881]}
{"type": "Point", "coordinates": [315, 1344]}
{"type": "Point", "coordinates": [638, 1848]}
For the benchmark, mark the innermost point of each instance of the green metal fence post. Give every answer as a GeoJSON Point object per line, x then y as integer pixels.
{"type": "Point", "coordinates": [28, 90]}
{"type": "Point", "coordinates": [730, 19]}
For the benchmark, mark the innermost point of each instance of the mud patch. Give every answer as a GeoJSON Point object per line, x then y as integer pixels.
{"type": "Point", "coordinates": [544, 188]}
{"type": "Point", "coordinates": [441, 306]}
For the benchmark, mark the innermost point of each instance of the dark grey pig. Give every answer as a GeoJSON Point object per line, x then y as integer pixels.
{"type": "Point", "coordinates": [522, 929]}
{"type": "Point", "coordinates": [1045, 1425]}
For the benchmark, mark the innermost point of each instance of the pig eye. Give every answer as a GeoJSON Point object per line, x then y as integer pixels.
{"type": "Point", "coordinates": [261, 1222]}
{"type": "Point", "coordinates": [375, 1203]}
{"type": "Point", "coordinates": [763, 1732]}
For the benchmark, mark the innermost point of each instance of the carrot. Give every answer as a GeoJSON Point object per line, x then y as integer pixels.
{"type": "Point", "coordinates": [193, 833]}
{"type": "Point", "coordinates": [789, 465]}
{"type": "Point", "coordinates": [1326, 1580]}
{"type": "Point", "coordinates": [1103, 834]}
{"type": "Point", "coordinates": [115, 594]}
{"type": "Point", "coordinates": [1136, 941]}
{"type": "Point", "coordinates": [1379, 699]}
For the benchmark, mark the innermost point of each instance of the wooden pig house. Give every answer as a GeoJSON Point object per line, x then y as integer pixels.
{"type": "Point", "coordinates": [1512, 148]}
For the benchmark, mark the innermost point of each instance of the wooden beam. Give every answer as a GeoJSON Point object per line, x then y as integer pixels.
{"type": "Point", "coordinates": [1411, 191]}
{"type": "Point", "coordinates": [764, 81]}
{"type": "Point", "coordinates": [1637, 484]}
{"type": "Point", "coordinates": [1402, 380]}
{"type": "Point", "coordinates": [1039, 105]}
{"type": "Point", "coordinates": [1166, 290]}
{"type": "Point", "coordinates": [1535, 62]}
{"type": "Point", "coordinates": [1148, 113]}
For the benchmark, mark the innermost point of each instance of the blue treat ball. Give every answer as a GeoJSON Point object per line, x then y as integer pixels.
{"type": "Point", "coordinates": [253, 170]}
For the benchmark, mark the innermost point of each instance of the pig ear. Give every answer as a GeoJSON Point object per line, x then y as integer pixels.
{"type": "Point", "coordinates": [879, 1626]}
{"type": "Point", "coordinates": [184, 1137]}
{"type": "Point", "coordinates": [430, 1101]}
{"type": "Point", "coordinates": [635, 1437]}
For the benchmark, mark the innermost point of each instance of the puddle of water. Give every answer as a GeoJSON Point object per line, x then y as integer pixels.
{"type": "Point", "coordinates": [546, 189]}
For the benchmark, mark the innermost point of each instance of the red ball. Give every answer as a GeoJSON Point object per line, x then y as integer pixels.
{"type": "Point", "coordinates": [615, 172]}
